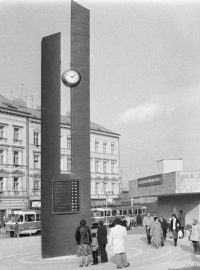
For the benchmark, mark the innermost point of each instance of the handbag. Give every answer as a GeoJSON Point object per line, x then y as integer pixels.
{"type": "Point", "coordinates": [180, 234]}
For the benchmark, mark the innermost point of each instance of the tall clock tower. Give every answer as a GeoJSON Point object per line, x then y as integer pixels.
{"type": "Point", "coordinates": [65, 199]}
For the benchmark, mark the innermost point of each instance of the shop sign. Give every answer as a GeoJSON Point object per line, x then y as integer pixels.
{"type": "Point", "coordinates": [150, 181]}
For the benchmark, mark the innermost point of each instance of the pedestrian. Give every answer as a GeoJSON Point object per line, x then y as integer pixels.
{"type": "Point", "coordinates": [83, 239]}
{"type": "Point", "coordinates": [147, 223]}
{"type": "Point", "coordinates": [117, 240]}
{"type": "Point", "coordinates": [139, 220]}
{"type": "Point", "coordinates": [16, 230]}
{"type": "Point", "coordinates": [195, 236]}
{"type": "Point", "coordinates": [124, 222]}
{"type": "Point", "coordinates": [156, 232]}
{"type": "Point", "coordinates": [174, 228]}
{"type": "Point", "coordinates": [102, 241]}
{"type": "Point", "coordinates": [94, 247]}
{"type": "Point", "coordinates": [181, 218]}
{"type": "Point", "coordinates": [128, 222]}
{"type": "Point", "coordinates": [164, 226]}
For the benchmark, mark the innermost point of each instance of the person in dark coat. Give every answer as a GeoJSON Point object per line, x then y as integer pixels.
{"type": "Point", "coordinates": [139, 220]}
{"type": "Point", "coordinates": [83, 240]}
{"type": "Point", "coordinates": [175, 227]}
{"type": "Point", "coordinates": [102, 241]}
{"type": "Point", "coordinates": [164, 226]}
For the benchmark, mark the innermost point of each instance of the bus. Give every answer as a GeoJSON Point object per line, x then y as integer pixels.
{"type": "Point", "coordinates": [29, 221]}
{"type": "Point", "coordinates": [109, 214]}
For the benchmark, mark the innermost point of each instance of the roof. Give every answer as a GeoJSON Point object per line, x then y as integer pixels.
{"type": "Point", "coordinates": [5, 103]}
{"type": "Point", "coordinates": [36, 114]}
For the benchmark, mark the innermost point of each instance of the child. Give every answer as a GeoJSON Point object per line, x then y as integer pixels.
{"type": "Point", "coordinates": [94, 247]}
{"type": "Point", "coordinates": [195, 236]}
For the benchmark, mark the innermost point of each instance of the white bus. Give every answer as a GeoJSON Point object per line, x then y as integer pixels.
{"type": "Point", "coordinates": [29, 221]}
{"type": "Point", "coordinates": [109, 214]}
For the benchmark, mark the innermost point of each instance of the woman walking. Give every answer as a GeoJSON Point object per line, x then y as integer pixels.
{"type": "Point", "coordinates": [83, 239]}
{"type": "Point", "coordinates": [156, 232]}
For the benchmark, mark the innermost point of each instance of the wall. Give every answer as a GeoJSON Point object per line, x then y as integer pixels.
{"type": "Point", "coordinates": [189, 203]}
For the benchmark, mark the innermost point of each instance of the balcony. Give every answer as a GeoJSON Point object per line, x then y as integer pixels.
{"type": "Point", "coordinates": [12, 193]}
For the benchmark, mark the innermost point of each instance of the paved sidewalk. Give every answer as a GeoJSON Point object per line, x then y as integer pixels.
{"type": "Point", "coordinates": [24, 254]}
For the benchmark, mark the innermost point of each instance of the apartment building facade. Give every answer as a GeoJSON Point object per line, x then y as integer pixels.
{"type": "Point", "coordinates": [20, 158]}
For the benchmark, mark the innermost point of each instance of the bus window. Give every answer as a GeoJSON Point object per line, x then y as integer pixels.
{"type": "Point", "coordinates": [114, 213]}
{"type": "Point", "coordinates": [139, 211]}
{"type": "Point", "coordinates": [130, 211]}
{"type": "Point", "coordinates": [102, 213]}
{"type": "Point", "coordinates": [124, 212]}
{"type": "Point", "coordinates": [107, 213]}
{"type": "Point", "coordinates": [120, 212]}
{"type": "Point", "coordinates": [144, 210]}
{"type": "Point", "coordinates": [38, 217]}
{"type": "Point", "coordinates": [29, 217]}
{"type": "Point", "coordinates": [20, 218]}
{"type": "Point", "coordinates": [135, 211]}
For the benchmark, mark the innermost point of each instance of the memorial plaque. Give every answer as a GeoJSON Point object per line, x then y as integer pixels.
{"type": "Point", "coordinates": [65, 196]}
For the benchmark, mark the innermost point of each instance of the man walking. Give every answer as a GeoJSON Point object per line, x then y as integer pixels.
{"type": "Point", "coordinates": [147, 223]}
{"type": "Point", "coordinates": [181, 218]}
{"type": "Point", "coordinates": [102, 241]}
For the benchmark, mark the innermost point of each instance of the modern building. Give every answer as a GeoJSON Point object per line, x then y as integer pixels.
{"type": "Point", "coordinates": [20, 155]}
{"type": "Point", "coordinates": [174, 189]}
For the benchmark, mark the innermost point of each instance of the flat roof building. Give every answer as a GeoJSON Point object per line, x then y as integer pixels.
{"type": "Point", "coordinates": [174, 188]}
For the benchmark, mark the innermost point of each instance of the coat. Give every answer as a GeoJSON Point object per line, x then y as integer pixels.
{"type": "Point", "coordinates": [164, 224]}
{"type": "Point", "coordinates": [117, 238]}
{"type": "Point", "coordinates": [195, 232]}
{"type": "Point", "coordinates": [181, 218]}
{"type": "Point", "coordinates": [177, 225]}
{"type": "Point", "coordinates": [102, 235]}
{"type": "Point", "coordinates": [83, 235]}
{"type": "Point", "coordinates": [156, 232]}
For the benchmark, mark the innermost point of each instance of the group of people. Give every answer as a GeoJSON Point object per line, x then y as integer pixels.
{"type": "Point", "coordinates": [156, 230]}
{"type": "Point", "coordinates": [88, 243]}
{"type": "Point", "coordinates": [95, 243]}
{"type": "Point", "coordinates": [157, 227]}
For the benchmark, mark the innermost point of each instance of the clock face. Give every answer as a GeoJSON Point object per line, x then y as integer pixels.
{"type": "Point", "coordinates": [71, 77]}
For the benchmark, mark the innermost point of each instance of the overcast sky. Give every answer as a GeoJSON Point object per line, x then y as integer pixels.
{"type": "Point", "coordinates": [145, 72]}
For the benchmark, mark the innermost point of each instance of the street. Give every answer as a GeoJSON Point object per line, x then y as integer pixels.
{"type": "Point", "coordinates": [25, 253]}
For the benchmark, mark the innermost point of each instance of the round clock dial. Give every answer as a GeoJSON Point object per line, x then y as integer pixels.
{"type": "Point", "coordinates": [71, 77]}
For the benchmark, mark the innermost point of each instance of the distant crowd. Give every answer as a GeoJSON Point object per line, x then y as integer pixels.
{"type": "Point", "coordinates": [156, 228]}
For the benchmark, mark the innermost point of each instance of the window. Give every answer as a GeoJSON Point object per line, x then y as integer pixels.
{"type": "Point", "coordinates": [105, 187]}
{"type": "Point", "coordinates": [113, 188]}
{"type": "Point", "coordinates": [2, 135]}
{"type": "Point", "coordinates": [112, 166]}
{"type": "Point", "coordinates": [104, 166]}
{"type": "Point", "coordinates": [68, 142]}
{"type": "Point", "coordinates": [36, 183]}
{"type": "Point", "coordinates": [97, 188]}
{"type": "Point", "coordinates": [38, 217]}
{"type": "Point", "coordinates": [16, 134]}
{"type": "Point", "coordinates": [16, 185]}
{"type": "Point", "coordinates": [112, 148]}
{"type": "Point", "coordinates": [96, 147]}
{"type": "Point", "coordinates": [29, 217]}
{"type": "Point", "coordinates": [97, 163]}
{"type": "Point", "coordinates": [16, 157]}
{"type": "Point", "coordinates": [36, 138]}
{"type": "Point", "coordinates": [1, 184]}
{"type": "Point", "coordinates": [68, 163]}
{"type": "Point", "coordinates": [36, 161]}
{"type": "Point", "coordinates": [1, 156]}
{"type": "Point", "coordinates": [104, 147]}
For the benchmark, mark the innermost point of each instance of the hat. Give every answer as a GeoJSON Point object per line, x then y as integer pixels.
{"type": "Point", "coordinates": [195, 220]}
